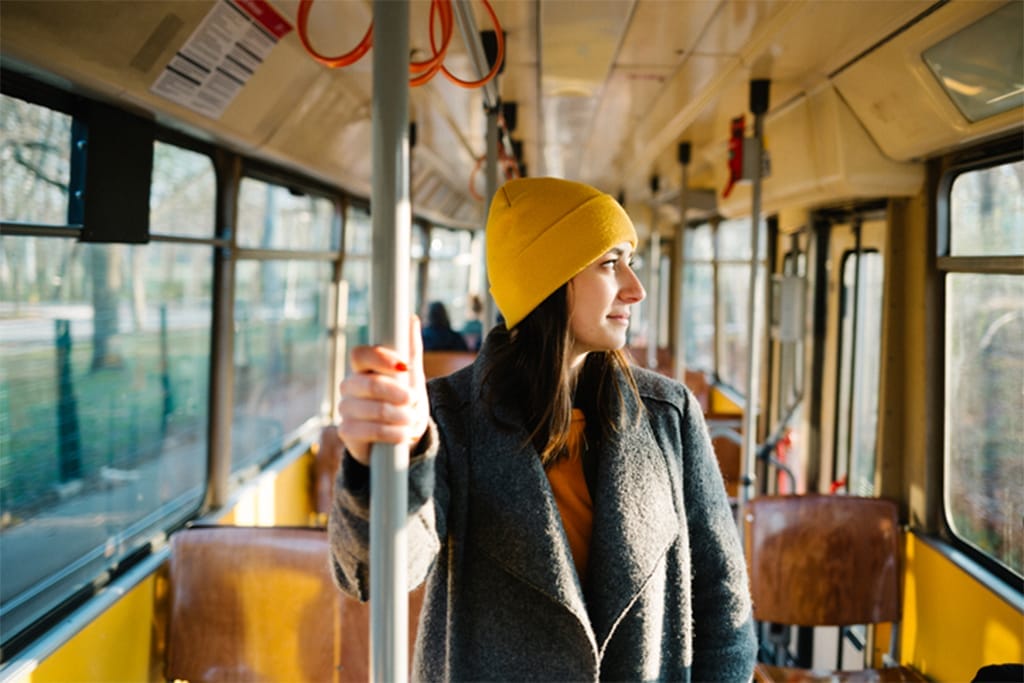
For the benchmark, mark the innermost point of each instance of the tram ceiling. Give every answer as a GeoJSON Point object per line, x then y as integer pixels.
{"type": "Point", "coordinates": [604, 89]}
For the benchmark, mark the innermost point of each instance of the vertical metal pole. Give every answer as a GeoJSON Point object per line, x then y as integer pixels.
{"type": "Point", "coordinates": [423, 270]}
{"type": "Point", "coordinates": [389, 601]}
{"type": "Point", "coordinates": [337, 314]}
{"type": "Point", "coordinates": [466, 21]}
{"type": "Point", "coordinates": [750, 414]}
{"type": "Point", "coordinates": [654, 293]}
{"type": "Point", "coordinates": [222, 356]}
{"type": "Point", "coordinates": [679, 352]}
{"type": "Point", "coordinates": [653, 281]}
{"type": "Point", "coordinates": [491, 173]}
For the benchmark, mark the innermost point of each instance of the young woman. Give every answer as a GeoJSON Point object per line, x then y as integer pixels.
{"type": "Point", "coordinates": [565, 509]}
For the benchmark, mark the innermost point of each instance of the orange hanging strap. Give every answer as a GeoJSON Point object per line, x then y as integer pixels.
{"type": "Point", "coordinates": [423, 71]}
{"type": "Point", "coordinates": [427, 69]}
{"type": "Point", "coordinates": [497, 62]}
{"type": "Point", "coordinates": [333, 62]}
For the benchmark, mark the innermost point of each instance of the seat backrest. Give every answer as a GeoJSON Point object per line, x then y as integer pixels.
{"type": "Point", "coordinates": [697, 382]}
{"type": "Point", "coordinates": [259, 604]}
{"type": "Point", "coordinates": [727, 438]}
{"type": "Point", "coordinates": [824, 560]}
{"type": "Point", "coordinates": [441, 363]}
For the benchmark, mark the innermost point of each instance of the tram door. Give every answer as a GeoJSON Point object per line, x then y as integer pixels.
{"type": "Point", "coordinates": [852, 354]}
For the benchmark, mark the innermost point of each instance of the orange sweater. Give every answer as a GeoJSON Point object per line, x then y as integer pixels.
{"type": "Point", "coordinates": [572, 496]}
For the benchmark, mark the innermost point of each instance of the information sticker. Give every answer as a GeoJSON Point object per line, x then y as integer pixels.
{"type": "Point", "coordinates": [221, 55]}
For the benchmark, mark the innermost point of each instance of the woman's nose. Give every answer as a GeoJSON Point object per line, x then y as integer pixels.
{"type": "Point", "coordinates": [632, 291]}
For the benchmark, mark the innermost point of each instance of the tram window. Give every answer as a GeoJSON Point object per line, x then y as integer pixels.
{"type": "Point", "coordinates": [181, 199]}
{"type": "Point", "coordinates": [418, 264]}
{"type": "Point", "coordinates": [986, 210]}
{"type": "Point", "coordinates": [663, 305]}
{"type": "Point", "coordinates": [859, 367]}
{"type": "Point", "coordinates": [356, 274]}
{"type": "Point", "coordinates": [281, 350]}
{"type": "Point", "coordinates": [984, 365]}
{"type": "Point", "coordinates": [448, 273]}
{"type": "Point", "coordinates": [733, 240]}
{"type": "Point", "coordinates": [35, 163]}
{"type": "Point", "coordinates": [358, 231]}
{"type": "Point", "coordinates": [699, 244]}
{"type": "Point", "coordinates": [105, 375]}
{"type": "Point", "coordinates": [733, 277]}
{"type": "Point", "coordinates": [274, 217]}
{"type": "Point", "coordinates": [699, 315]}
{"type": "Point", "coordinates": [732, 311]}
{"type": "Point", "coordinates": [791, 360]}
{"type": "Point", "coordinates": [699, 299]}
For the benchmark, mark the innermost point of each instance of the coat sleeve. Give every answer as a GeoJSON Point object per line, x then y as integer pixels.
{"type": "Point", "coordinates": [725, 646]}
{"type": "Point", "coordinates": [349, 524]}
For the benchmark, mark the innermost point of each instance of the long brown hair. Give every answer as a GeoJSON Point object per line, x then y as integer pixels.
{"type": "Point", "coordinates": [529, 367]}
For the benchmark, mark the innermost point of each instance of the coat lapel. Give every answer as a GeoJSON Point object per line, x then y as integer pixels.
{"type": "Point", "coordinates": [518, 524]}
{"type": "Point", "coordinates": [635, 520]}
{"type": "Point", "coordinates": [514, 513]}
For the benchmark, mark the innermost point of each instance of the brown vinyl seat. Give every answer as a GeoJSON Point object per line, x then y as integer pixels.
{"type": "Point", "coordinates": [258, 604]}
{"type": "Point", "coordinates": [442, 363]}
{"type": "Point", "coordinates": [825, 561]}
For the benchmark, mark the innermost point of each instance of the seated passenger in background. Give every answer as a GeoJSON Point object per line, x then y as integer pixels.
{"type": "Point", "coordinates": [473, 330]}
{"type": "Point", "coordinates": [438, 334]}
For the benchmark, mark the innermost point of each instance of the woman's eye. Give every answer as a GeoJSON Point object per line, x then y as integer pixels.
{"type": "Point", "coordinates": [610, 262]}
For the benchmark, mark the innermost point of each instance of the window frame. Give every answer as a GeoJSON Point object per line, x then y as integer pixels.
{"type": "Point", "coordinates": [846, 404]}
{"type": "Point", "coordinates": [986, 568]}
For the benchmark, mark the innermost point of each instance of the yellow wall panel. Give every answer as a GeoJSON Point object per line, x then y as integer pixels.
{"type": "Point", "coordinates": [277, 498]}
{"type": "Point", "coordinates": [722, 404]}
{"type": "Point", "coordinates": [953, 625]}
{"type": "Point", "coordinates": [114, 647]}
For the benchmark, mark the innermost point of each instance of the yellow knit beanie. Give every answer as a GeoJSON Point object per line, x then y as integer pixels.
{"type": "Point", "coordinates": [541, 232]}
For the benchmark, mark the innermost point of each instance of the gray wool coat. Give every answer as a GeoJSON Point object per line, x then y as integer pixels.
{"type": "Point", "coordinates": [667, 597]}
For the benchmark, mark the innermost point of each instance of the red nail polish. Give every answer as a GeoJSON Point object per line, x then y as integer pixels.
{"type": "Point", "coordinates": [401, 367]}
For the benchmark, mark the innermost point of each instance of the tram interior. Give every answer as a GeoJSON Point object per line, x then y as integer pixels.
{"type": "Point", "coordinates": [865, 101]}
